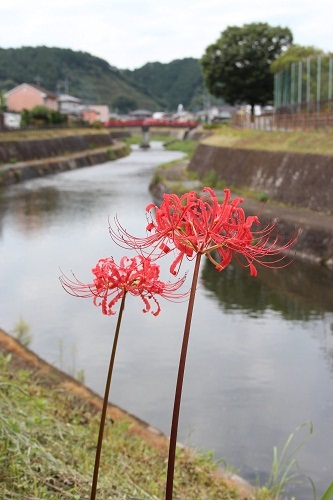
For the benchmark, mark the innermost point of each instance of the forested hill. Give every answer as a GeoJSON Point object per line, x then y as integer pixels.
{"type": "Point", "coordinates": [155, 86]}
{"type": "Point", "coordinates": [178, 82]}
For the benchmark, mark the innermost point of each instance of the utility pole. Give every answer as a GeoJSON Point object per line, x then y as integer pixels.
{"type": "Point", "coordinates": [38, 80]}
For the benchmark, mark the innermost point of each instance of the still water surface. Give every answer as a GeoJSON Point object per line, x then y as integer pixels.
{"type": "Point", "coordinates": [260, 358]}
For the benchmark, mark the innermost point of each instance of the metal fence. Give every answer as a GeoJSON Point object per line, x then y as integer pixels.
{"type": "Point", "coordinates": [303, 98]}
{"type": "Point", "coordinates": [303, 94]}
{"type": "Point", "coordinates": [279, 120]}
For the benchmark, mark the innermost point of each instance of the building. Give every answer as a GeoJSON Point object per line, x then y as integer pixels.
{"type": "Point", "coordinates": [70, 105]}
{"type": "Point", "coordinates": [96, 113]}
{"type": "Point", "coordinates": [140, 114]}
{"type": "Point", "coordinates": [28, 95]}
{"type": "Point", "coordinates": [103, 112]}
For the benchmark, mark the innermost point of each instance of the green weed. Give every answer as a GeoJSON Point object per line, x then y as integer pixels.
{"type": "Point", "coordinates": [21, 332]}
{"type": "Point", "coordinates": [47, 447]}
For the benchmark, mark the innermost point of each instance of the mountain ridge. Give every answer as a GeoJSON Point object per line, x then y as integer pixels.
{"type": "Point", "coordinates": [155, 86]}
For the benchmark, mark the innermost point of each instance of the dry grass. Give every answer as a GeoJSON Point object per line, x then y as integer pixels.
{"type": "Point", "coordinates": [47, 447]}
{"type": "Point", "coordinates": [24, 135]}
{"type": "Point", "coordinates": [320, 142]}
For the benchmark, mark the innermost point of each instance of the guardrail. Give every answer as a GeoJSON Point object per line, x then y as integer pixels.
{"type": "Point", "coordinates": [151, 122]}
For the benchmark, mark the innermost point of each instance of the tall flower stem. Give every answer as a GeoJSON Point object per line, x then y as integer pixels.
{"type": "Point", "coordinates": [179, 385]}
{"type": "Point", "coordinates": [105, 401]}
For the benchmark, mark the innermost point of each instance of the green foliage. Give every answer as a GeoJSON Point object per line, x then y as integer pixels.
{"type": "Point", "coordinates": [285, 469]}
{"type": "Point", "coordinates": [186, 146]}
{"type": "Point", "coordinates": [123, 104]}
{"type": "Point", "coordinates": [2, 100]}
{"type": "Point", "coordinates": [47, 447]}
{"type": "Point", "coordinates": [295, 53]}
{"type": "Point", "coordinates": [328, 495]}
{"type": "Point", "coordinates": [237, 66]}
{"type": "Point", "coordinates": [211, 179]}
{"type": "Point", "coordinates": [111, 154]}
{"type": "Point", "coordinates": [21, 332]}
{"type": "Point", "coordinates": [41, 115]}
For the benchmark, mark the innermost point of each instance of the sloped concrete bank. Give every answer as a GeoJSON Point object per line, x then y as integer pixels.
{"type": "Point", "coordinates": [36, 149]}
{"type": "Point", "coordinates": [25, 170]}
{"type": "Point", "coordinates": [295, 179]}
{"type": "Point", "coordinates": [298, 187]}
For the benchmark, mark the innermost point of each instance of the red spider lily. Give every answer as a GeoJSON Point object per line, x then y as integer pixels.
{"type": "Point", "coordinates": [137, 276]}
{"type": "Point", "coordinates": [193, 224]}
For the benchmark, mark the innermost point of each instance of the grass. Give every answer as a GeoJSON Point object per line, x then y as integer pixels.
{"type": "Point", "coordinates": [186, 146]}
{"type": "Point", "coordinates": [23, 135]}
{"type": "Point", "coordinates": [47, 449]}
{"type": "Point", "coordinates": [320, 142]}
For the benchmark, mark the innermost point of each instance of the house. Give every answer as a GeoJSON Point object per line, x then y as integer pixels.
{"type": "Point", "coordinates": [215, 114]}
{"type": "Point", "coordinates": [96, 112]}
{"type": "Point", "coordinates": [28, 95]}
{"type": "Point", "coordinates": [103, 112]}
{"type": "Point", "coordinates": [183, 116]}
{"type": "Point", "coordinates": [69, 105]}
{"type": "Point", "coordinates": [140, 114]}
{"type": "Point", "coordinates": [89, 115]}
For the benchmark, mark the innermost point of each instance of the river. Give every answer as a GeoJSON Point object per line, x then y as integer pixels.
{"type": "Point", "coordinates": [260, 359]}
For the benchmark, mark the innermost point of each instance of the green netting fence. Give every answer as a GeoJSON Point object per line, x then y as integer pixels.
{"type": "Point", "coordinates": [305, 86]}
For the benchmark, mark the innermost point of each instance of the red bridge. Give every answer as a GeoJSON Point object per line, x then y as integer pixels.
{"type": "Point", "coordinates": [151, 122]}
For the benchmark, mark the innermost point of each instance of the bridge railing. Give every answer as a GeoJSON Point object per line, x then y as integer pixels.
{"type": "Point", "coordinates": [150, 122]}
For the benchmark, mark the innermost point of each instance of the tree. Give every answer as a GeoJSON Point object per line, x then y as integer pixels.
{"type": "Point", "coordinates": [3, 100]}
{"type": "Point", "coordinates": [237, 66]}
{"type": "Point", "coordinates": [295, 53]}
{"type": "Point", "coordinates": [41, 115]}
{"type": "Point", "coordinates": [124, 104]}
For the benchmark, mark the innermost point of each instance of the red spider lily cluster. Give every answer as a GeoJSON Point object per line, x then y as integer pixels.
{"type": "Point", "coordinates": [188, 226]}
{"type": "Point", "coordinates": [192, 224]}
{"type": "Point", "coordinates": [137, 276]}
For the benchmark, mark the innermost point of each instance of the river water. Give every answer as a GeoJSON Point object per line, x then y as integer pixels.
{"type": "Point", "coordinates": [260, 359]}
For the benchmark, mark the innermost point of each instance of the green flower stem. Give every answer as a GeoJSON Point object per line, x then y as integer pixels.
{"type": "Point", "coordinates": [179, 385]}
{"type": "Point", "coordinates": [106, 400]}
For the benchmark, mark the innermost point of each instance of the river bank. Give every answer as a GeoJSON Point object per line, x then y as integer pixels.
{"type": "Point", "coordinates": [22, 160]}
{"type": "Point", "coordinates": [295, 186]}
{"type": "Point", "coordinates": [316, 241]}
{"type": "Point", "coordinates": [84, 409]}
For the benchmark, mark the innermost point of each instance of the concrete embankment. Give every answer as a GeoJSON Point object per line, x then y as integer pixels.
{"type": "Point", "coordinates": [298, 188]}
{"type": "Point", "coordinates": [294, 179]}
{"type": "Point", "coordinates": [27, 159]}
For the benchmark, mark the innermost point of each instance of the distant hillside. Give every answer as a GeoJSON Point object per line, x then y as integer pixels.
{"type": "Point", "coordinates": [155, 86]}
{"type": "Point", "coordinates": [178, 82]}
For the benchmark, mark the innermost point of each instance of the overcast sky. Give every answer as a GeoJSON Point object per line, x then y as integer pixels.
{"type": "Point", "coordinates": [130, 33]}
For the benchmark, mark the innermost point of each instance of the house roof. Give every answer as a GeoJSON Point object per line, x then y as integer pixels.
{"type": "Point", "coordinates": [41, 90]}
{"type": "Point", "coordinates": [68, 98]}
{"type": "Point", "coordinates": [140, 112]}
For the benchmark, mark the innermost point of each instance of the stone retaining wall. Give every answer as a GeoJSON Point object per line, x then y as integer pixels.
{"type": "Point", "coordinates": [22, 171]}
{"type": "Point", "coordinates": [302, 180]}
{"type": "Point", "coordinates": [26, 150]}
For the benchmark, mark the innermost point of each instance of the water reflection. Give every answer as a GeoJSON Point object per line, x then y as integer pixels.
{"type": "Point", "coordinates": [27, 208]}
{"type": "Point", "coordinates": [302, 292]}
